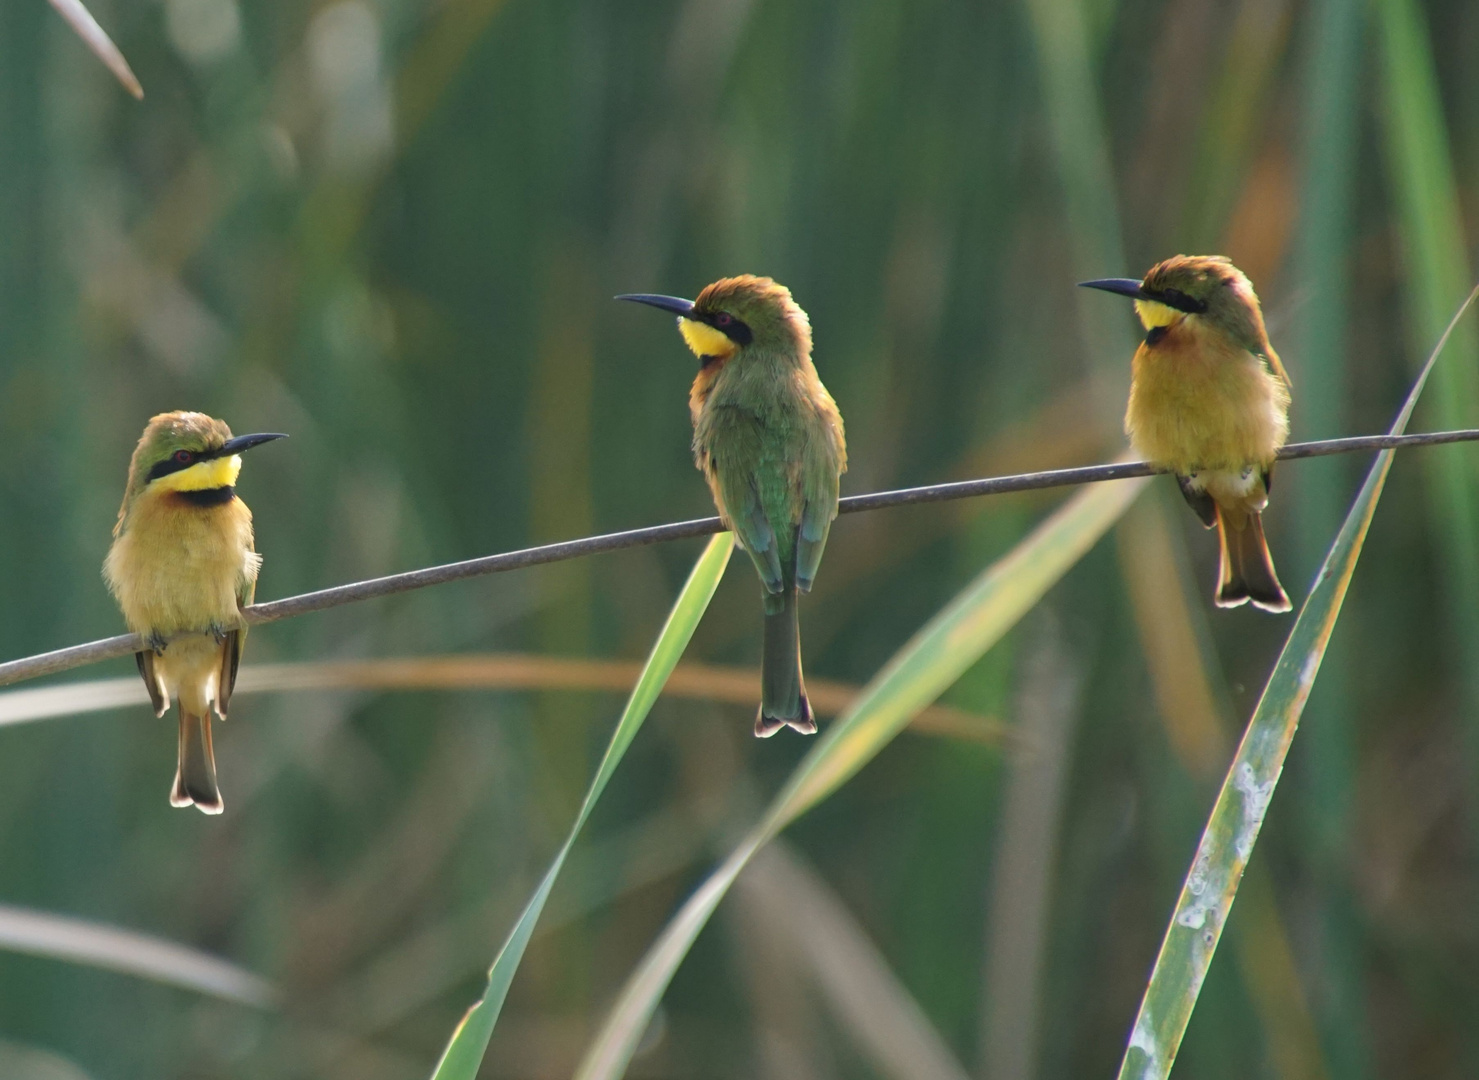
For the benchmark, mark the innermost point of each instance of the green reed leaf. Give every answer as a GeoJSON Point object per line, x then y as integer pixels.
{"type": "Point", "coordinates": [1227, 843]}
{"type": "Point", "coordinates": [918, 673]}
{"type": "Point", "coordinates": [464, 1053]}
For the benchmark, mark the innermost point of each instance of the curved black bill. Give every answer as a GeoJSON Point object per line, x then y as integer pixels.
{"type": "Point", "coordinates": [1124, 286]}
{"type": "Point", "coordinates": [244, 442]}
{"type": "Point", "coordinates": [676, 304]}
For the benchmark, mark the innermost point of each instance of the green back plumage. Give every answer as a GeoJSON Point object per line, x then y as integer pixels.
{"type": "Point", "coordinates": [768, 438]}
{"type": "Point", "coordinates": [767, 433]}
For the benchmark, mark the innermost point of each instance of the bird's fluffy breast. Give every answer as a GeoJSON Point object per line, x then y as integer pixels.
{"type": "Point", "coordinates": [1198, 402]}
{"type": "Point", "coordinates": [179, 567]}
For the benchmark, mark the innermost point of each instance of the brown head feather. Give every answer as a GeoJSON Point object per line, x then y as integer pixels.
{"type": "Point", "coordinates": [775, 320]}
{"type": "Point", "coordinates": [1231, 304]}
{"type": "Point", "coordinates": [165, 434]}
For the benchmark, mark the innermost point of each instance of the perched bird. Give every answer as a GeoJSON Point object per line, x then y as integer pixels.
{"type": "Point", "coordinates": [768, 438]}
{"type": "Point", "coordinates": [1209, 402]}
{"type": "Point", "coordinates": [182, 566]}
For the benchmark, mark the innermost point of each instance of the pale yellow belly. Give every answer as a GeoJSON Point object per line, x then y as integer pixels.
{"type": "Point", "coordinates": [177, 569]}
{"type": "Point", "coordinates": [1191, 412]}
{"type": "Point", "coordinates": [189, 669]}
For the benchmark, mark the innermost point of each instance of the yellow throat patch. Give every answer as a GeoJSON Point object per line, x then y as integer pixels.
{"type": "Point", "coordinates": [203, 476]}
{"type": "Point", "coordinates": [1153, 314]}
{"type": "Point", "coordinates": [704, 340]}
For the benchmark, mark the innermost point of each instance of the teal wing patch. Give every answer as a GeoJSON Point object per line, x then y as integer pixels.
{"type": "Point", "coordinates": [811, 540]}
{"type": "Point", "coordinates": [753, 528]}
{"type": "Point", "coordinates": [819, 489]}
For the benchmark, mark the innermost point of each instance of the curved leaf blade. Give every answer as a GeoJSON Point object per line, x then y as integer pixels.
{"type": "Point", "coordinates": [116, 948]}
{"type": "Point", "coordinates": [464, 1053]}
{"type": "Point", "coordinates": [97, 39]}
{"type": "Point", "coordinates": [1211, 884]}
{"type": "Point", "coordinates": [918, 673]}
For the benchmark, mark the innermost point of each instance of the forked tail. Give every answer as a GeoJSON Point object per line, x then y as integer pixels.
{"type": "Point", "coordinates": [195, 775]}
{"type": "Point", "coordinates": [1247, 571]}
{"type": "Point", "coordinates": [782, 693]}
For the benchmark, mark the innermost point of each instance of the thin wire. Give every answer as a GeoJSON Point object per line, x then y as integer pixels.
{"type": "Point", "coordinates": [51, 663]}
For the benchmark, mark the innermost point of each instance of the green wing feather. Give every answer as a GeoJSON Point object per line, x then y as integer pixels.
{"type": "Point", "coordinates": [774, 464]}
{"type": "Point", "coordinates": [820, 486]}
{"type": "Point", "coordinates": [732, 444]}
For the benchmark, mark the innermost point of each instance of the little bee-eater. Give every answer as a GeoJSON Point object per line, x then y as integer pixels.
{"type": "Point", "coordinates": [1209, 402]}
{"type": "Point", "coordinates": [182, 566]}
{"type": "Point", "coordinates": [768, 438]}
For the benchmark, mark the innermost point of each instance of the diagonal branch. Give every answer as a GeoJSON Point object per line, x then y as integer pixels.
{"type": "Point", "coordinates": [51, 663]}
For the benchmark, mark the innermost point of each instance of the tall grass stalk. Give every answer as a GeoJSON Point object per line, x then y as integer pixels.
{"type": "Point", "coordinates": [464, 1053]}
{"type": "Point", "coordinates": [1435, 261]}
{"type": "Point", "coordinates": [918, 673]}
{"type": "Point", "coordinates": [1237, 816]}
{"type": "Point", "coordinates": [1321, 288]}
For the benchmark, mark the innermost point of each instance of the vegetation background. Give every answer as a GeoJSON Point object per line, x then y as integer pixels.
{"type": "Point", "coordinates": [392, 228]}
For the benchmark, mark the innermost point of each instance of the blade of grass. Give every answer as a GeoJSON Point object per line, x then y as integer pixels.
{"type": "Point", "coordinates": [1430, 222]}
{"type": "Point", "coordinates": [1078, 123]}
{"type": "Point", "coordinates": [96, 39]}
{"type": "Point", "coordinates": [1212, 883]}
{"type": "Point", "coordinates": [1322, 271]}
{"type": "Point", "coordinates": [82, 941]}
{"type": "Point", "coordinates": [918, 673]}
{"type": "Point", "coordinates": [1235, 119]}
{"type": "Point", "coordinates": [1060, 35]}
{"type": "Point", "coordinates": [1190, 693]}
{"type": "Point", "coordinates": [464, 1053]}
{"type": "Point", "coordinates": [866, 997]}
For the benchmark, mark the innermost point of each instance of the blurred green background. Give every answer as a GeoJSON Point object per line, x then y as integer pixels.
{"type": "Point", "coordinates": [392, 229]}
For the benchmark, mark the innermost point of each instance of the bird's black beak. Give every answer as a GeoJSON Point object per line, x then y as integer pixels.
{"type": "Point", "coordinates": [1124, 286]}
{"type": "Point", "coordinates": [676, 304]}
{"type": "Point", "coordinates": [243, 442]}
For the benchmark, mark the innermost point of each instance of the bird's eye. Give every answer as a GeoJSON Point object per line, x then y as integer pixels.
{"type": "Point", "coordinates": [723, 319]}
{"type": "Point", "coordinates": [183, 456]}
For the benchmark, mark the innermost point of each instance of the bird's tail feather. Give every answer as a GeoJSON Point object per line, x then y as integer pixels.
{"type": "Point", "coordinates": [195, 776]}
{"type": "Point", "coordinates": [783, 700]}
{"type": "Point", "coordinates": [1247, 570]}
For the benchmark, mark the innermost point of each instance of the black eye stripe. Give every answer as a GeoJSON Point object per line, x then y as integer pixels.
{"type": "Point", "coordinates": [735, 330]}
{"type": "Point", "coordinates": [1175, 298]}
{"type": "Point", "coordinates": [172, 464]}
{"type": "Point", "coordinates": [167, 466]}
